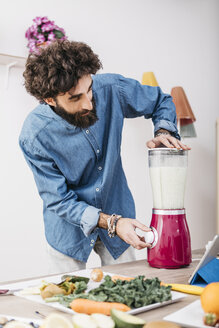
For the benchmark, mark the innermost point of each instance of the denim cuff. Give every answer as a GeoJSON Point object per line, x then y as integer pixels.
{"type": "Point", "coordinates": [89, 219]}
{"type": "Point", "coordinates": [167, 125]}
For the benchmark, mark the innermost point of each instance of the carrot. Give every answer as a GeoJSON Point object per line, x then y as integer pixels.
{"type": "Point", "coordinates": [114, 278]}
{"type": "Point", "coordinates": [82, 305]}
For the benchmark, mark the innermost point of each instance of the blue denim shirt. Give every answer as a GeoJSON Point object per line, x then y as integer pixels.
{"type": "Point", "coordinates": [79, 173]}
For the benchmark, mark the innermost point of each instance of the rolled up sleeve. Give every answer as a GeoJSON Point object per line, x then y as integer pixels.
{"type": "Point", "coordinates": [89, 219]}
{"type": "Point", "coordinates": [167, 125]}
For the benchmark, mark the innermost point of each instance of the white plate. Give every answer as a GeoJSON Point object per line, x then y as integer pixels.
{"type": "Point", "coordinates": [175, 298]}
{"type": "Point", "coordinates": [189, 316]}
{"type": "Point", "coordinates": [25, 320]}
{"type": "Point", "coordinates": [91, 285]}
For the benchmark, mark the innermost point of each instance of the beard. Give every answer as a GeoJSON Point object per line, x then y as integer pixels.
{"type": "Point", "coordinates": [78, 119]}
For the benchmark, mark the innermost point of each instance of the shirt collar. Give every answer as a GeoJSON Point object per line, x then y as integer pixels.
{"type": "Point", "coordinates": [47, 111]}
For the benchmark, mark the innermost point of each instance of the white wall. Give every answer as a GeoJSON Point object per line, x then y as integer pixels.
{"type": "Point", "coordinates": [178, 40]}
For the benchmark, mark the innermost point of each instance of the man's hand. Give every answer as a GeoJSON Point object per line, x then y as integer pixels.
{"type": "Point", "coordinates": [166, 140]}
{"type": "Point", "coordinates": [125, 229]}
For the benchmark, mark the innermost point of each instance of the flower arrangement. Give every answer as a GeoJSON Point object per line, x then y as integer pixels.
{"type": "Point", "coordinates": [43, 32]}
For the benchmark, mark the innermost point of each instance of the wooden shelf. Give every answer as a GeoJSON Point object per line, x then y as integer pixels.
{"type": "Point", "coordinates": [12, 60]}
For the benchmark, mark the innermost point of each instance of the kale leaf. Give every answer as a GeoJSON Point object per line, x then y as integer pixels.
{"type": "Point", "coordinates": [134, 293]}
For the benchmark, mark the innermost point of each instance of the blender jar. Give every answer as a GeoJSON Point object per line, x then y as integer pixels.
{"type": "Point", "coordinates": [168, 171]}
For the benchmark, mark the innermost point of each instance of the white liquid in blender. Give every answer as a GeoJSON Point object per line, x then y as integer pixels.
{"type": "Point", "coordinates": [168, 186]}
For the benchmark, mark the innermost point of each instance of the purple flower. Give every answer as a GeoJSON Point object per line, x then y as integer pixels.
{"type": "Point", "coordinates": [43, 30]}
{"type": "Point", "coordinates": [47, 27]}
{"type": "Point", "coordinates": [31, 42]}
{"type": "Point", "coordinates": [32, 29]}
{"type": "Point", "coordinates": [27, 34]}
{"type": "Point", "coordinates": [51, 36]}
{"type": "Point", "coordinates": [38, 20]}
{"type": "Point", "coordinates": [40, 38]}
{"type": "Point", "coordinates": [45, 19]}
{"type": "Point", "coordinates": [31, 32]}
{"type": "Point", "coordinates": [32, 48]}
{"type": "Point", "coordinates": [35, 34]}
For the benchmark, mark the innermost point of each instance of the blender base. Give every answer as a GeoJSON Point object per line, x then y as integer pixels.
{"type": "Point", "coordinates": [172, 249]}
{"type": "Point", "coordinates": [169, 267]}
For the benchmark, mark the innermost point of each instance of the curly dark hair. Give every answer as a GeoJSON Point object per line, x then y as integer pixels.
{"type": "Point", "coordinates": [58, 68]}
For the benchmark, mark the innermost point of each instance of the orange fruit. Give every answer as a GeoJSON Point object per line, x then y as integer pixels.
{"type": "Point", "coordinates": [210, 298]}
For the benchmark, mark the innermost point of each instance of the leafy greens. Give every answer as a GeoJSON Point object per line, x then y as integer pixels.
{"type": "Point", "coordinates": [134, 293]}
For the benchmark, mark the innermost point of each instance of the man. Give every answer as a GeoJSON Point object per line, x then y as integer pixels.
{"type": "Point", "coordinates": [71, 142]}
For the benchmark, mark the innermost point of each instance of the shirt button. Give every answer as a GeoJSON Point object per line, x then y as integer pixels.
{"type": "Point", "coordinates": [87, 131]}
{"type": "Point", "coordinates": [98, 151]}
{"type": "Point", "coordinates": [97, 189]}
{"type": "Point", "coordinates": [100, 168]}
{"type": "Point", "coordinates": [92, 241]}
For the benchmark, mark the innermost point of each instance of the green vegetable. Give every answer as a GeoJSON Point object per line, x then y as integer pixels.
{"type": "Point", "coordinates": [67, 299]}
{"type": "Point", "coordinates": [74, 278]}
{"type": "Point", "coordinates": [125, 320]}
{"type": "Point", "coordinates": [78, 291]}
{"type": "Point", "coordinates": [134, 293]}
{"type": "Point", "coordinates": [80, 287]}
{"type": "Point", "coordinates": [210, 319]}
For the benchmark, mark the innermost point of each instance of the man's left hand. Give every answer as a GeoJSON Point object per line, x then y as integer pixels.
{"type": "Point", "coordinates": [168, 141]}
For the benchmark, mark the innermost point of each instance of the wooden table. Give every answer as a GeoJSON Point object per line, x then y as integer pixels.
{"type": "Point", "coordinates": [17, 306]}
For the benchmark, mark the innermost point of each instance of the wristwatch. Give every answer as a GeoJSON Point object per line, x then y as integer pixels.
{"type": "Point", "coordinates": [162, 132]}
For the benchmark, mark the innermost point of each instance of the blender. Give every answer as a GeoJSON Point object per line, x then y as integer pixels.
{"type": "Point", "coordinates": [169, 235]}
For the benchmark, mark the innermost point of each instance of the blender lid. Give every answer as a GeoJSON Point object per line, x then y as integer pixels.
{"type": "Point", "coordinates": [165, 150]}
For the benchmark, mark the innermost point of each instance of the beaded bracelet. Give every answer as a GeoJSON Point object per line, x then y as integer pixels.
{"type": "Point", "coordinates": [111, 223]}
{"type": "Point", "coordinates": [115, 223]}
